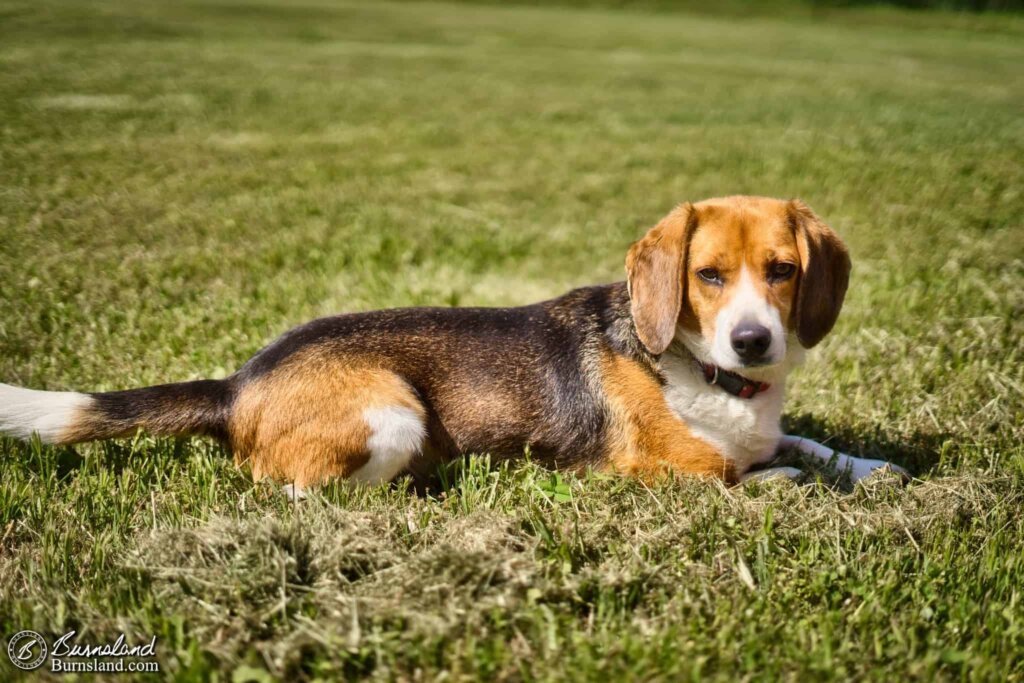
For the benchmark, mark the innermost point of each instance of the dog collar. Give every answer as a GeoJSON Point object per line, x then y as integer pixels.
{"type": "Point", "coordinates": [730, 382]}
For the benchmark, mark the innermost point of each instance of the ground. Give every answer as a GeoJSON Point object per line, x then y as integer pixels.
{"type": "Point", "coordinates": [181, 182]}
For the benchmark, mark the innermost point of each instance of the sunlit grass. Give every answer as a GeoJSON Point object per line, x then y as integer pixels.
{"type": "Point", "coordinates": [180, 182]}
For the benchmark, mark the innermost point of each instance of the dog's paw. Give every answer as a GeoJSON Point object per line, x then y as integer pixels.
{"type": "Point", "coordinates": [293, 492]}
{"type": "Point", "coordinates": [862, 468]}
{"type": "Point", "coordinates": [774, 473]}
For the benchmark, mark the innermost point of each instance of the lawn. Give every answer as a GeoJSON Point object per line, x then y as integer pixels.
{"type": "Point", "coordinates": [181, 182]}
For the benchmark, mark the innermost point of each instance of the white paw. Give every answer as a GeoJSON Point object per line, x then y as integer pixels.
{"type": "Point", "coordinates": [293, 492]}
{"type": "Point", "coordinates": [772, 473]}
{"type": "Point", "coordinates": [862, 468]}
{"type": "Point", "coordinates": [858, 468]}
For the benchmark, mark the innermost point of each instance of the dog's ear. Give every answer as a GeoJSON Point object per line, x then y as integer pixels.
{"type": "Point", "coordinates": [824, 275]}
{"type": "Point", "coordinates": [655, 275]}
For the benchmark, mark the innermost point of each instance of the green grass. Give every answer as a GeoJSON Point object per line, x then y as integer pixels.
{"type": "Point", "coordinates": [180, 182]}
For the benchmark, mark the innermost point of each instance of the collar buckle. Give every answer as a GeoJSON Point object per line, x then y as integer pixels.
{"type": "Point", "coordinates": [731, 382]}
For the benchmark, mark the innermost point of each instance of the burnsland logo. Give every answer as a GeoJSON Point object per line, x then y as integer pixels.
{"type": "Point", "coordinates": [28, 650]}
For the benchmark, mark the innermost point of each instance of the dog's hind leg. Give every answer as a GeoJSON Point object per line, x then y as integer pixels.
{"type": "Point", "coordinates": [396, 435]}
{"type": "Point", "coordinates": [307, 425]}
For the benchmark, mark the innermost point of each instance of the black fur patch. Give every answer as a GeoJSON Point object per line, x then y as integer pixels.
{"type": "Point", "coordinates": [200, 407]}
{"type": "Point", "coordinates": [493, 380]}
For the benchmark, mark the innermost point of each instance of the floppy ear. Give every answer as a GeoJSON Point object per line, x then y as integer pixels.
{"type": "Point", "coordinates": [824, 275]}
{"type": "Point", "coordinates": [656, 279]}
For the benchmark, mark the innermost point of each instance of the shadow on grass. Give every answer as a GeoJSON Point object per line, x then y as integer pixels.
{"type": "Point", "coordinates": [920, 454]}
{"type": "Point", "coordinates": [115, 455]}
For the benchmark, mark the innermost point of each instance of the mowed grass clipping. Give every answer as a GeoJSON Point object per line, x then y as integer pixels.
{"type": "Point", "coordinates": [181, 182]}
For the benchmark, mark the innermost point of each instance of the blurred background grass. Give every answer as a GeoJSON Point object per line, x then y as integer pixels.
{"type": "Point", "coordinates": [778, 7]}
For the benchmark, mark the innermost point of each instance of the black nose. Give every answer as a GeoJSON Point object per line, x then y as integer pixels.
{"type": "Point", "coordinates": [750, 341]}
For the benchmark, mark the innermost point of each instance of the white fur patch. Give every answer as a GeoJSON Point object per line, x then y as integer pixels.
{"type": "Point", "coordinates": [745, 431]}
{"type": "Point", "coordinates": [746, 305]}
{"type": "Point", "coordinates": [24, 412]}
{"type": "Point", "coordinates": [772, 473]}
{"type": "Point", "coordinates": [397, 435]}
{"type": "Point", "coordinates": [293, 493]}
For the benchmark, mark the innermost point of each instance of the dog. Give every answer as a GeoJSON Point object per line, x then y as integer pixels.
{"type": "Point", "coordinates": [680, 369]}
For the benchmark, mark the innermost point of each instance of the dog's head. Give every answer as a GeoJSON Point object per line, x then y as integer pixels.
{"type": "Point", "coordinates": [737, 280]}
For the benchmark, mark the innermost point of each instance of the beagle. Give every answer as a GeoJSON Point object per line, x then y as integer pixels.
{"type": "Point", "coordinates": [682, 368]}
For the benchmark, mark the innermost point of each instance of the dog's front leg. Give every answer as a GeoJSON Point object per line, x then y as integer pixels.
{"type": "Point", "coordinates": [858, 468]}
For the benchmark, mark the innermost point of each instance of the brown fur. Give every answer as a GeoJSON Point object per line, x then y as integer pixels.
{"type": "Point", "coordinates": [734, 233]}
{"type": "Point", "coordinates": [654, 267]}
{"type": "Point", "coordinates": [824, 275]}
{"type": "Point", "coordinates": [197, 407]}
{"type": "Point", "coordinates": [645, 438]}
{"type": "Point", "coordinates": [88, 426]}
{"type": "Point", "coordinates": [304, 422]}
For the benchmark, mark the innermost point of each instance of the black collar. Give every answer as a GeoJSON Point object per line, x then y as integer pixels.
{"type": "Point", "coordinates": [730, 382]}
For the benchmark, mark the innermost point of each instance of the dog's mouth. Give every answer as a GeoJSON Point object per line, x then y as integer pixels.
{"type": "Point", "coordinates": [754, 364]}
{"type": "Point", "coordinates": [756, 371]}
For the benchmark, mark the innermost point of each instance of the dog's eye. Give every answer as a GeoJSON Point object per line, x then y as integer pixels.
{"type": "Point", "coordinates": [710, 275]}
{"type": "Point", "coordinates": [778, 272]}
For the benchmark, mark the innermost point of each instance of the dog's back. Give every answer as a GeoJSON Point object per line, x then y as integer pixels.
{"type": "Point", "coordinates": [434, 381]}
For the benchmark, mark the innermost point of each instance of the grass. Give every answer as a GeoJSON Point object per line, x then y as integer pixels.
{"type": "Point", "coordinates": [180, 182]}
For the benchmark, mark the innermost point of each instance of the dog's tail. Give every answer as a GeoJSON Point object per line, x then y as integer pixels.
{"type": "Point", "coordinates": [62, 417]}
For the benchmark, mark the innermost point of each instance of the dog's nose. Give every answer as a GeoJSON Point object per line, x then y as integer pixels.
{"type": "Point", "coordinates": [750, 341]}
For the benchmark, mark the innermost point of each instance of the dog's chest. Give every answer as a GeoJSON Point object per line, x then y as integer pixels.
{"type": "Point", "coordinates": [745, 431]}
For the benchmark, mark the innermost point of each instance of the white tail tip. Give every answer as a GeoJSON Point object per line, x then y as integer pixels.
{"type": "Point", "coordinates": [24, 412]}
